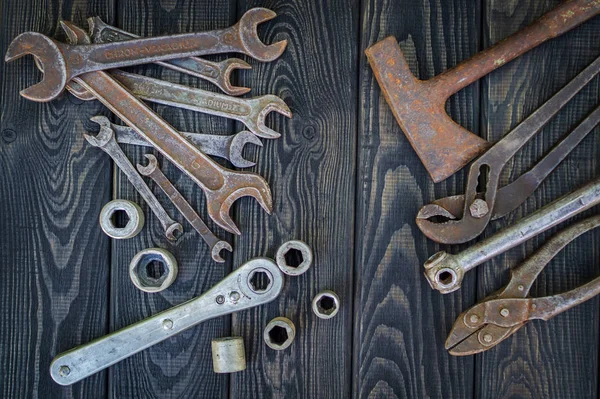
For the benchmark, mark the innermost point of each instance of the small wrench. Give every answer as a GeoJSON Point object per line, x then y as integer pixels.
{"type": "Point", "coordinates": [105, 140]}
{"type": "Point", "coordinates": [62, 62]}
{"type": "Point", "coordinates": [252, 112]}
{"type": "Point", "coordinates": [234, 293]}
{"type": "Point", "coordinates": [221, 186]}
{"type": "Point", "coordinates": [218, 73]}
{"type": "Point", "coordinates": [445, 272]}
{"type": "Point", "coordinates": [152, 170]}
{"type": "Point", "coordinates": [227, 147]}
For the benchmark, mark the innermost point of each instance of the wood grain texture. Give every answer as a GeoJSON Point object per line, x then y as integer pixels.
{"type": "Point", "coordinates": [182, 365]}
{"type": "Point", "coordinates": [557, 358]}
{"type": "Point", "coordinates": [400, 323]}
{"type": "Point", "coordinates": [311, 173]}
{"type": "Point", "coordinates": [54, 278]}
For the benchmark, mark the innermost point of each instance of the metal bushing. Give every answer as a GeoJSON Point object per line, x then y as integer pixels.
{"type": "Point", "coordinates": [294, 257]}
{"type": "Point", "coordinates": [153, 269]}
{"type": "Point", "coordinates": [326, 304]}
{"type": "Point", "coordinates": [229, 354]}
{"type": "Point", "coordinates": [279, 333]}
{"type": "Point", "coordinates": [134, 214]}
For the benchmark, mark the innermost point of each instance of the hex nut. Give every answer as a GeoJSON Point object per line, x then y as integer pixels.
{"type": "Point", "coordinates": [134, 224]}
{"type": "Point", "coordinates": [305, 252]}
{"type": "Point", "coordinates": [229, 354]}
{"type": "Point", "coordinates": [326, 304]}
{"type": "Point", "coordinates": [279, 333]}
{"type": "Point", "coordinates": [140, 276]}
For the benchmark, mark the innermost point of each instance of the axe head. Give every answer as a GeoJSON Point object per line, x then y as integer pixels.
{"type": "Point", "coordinates": [443, 146]}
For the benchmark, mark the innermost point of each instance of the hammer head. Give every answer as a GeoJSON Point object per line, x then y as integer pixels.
{"type": "Point", "coordinates": [443, 146]}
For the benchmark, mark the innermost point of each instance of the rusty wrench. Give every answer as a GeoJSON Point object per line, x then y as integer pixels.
{"type": "Point", "coordinates": [252, 112]}
{"type": "Point", "coordinates": [62, 62]}
{"type": "Point", "coordinates": [218, 73]}
{"type": "Point", "coordinates": [221, 186]}
{"type": "Point", "coordinates": [152, 170]}
{"type": "Point", "coordinates": [227, 147]}
{"type": "Point", "coordinates": [105, 140]}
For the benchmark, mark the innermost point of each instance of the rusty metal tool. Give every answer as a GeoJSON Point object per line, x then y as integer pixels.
{"type": "Point", "coordinates": [252, 112]}
{"type": "Point", "coordinates": [236, 292]}
{"type": "Point", "coordinates": [221, 186]}
{"type": "Point", "coordinates": [479, 208]}
{"type": "Point", "coordinates": [217, 73]}
{"type": "Point", "coordinates": [105, 140]}
{"type": "Point", "coordinates": [62, 62]}
{"type": "Point", "coordinates": [444, 146]}
{"type": "Point", "coordinates": [500, 315]}
{"type": "Point", "coordinates": [227, 147]}
{"type": "Point", "coordinates": [152, 170]}
{"type": "Point", "coordinates": [445, 272]}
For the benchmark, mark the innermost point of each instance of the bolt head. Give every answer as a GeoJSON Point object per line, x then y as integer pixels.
{"type": "Point", "coordinates": [479, 208]}
{"type": "Point", "coordinates": [220, 299]}
{"type": "Point", "coordinates": [504, 312]}
{"type": "Point", "coordinates": [234, 296]}
{"type": "Point", "coordinates": [488, 338]}
{"type": "Point", "coordinates": [167, 324]}
{"type": "Point", "coordinates": [64, 371]}
{"type": "Point", "coordinates": [474, 318]}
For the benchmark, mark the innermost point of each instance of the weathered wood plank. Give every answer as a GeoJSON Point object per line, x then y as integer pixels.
{"type": "Point", "coordinates": [182, 365]}
{"type": "Point", "coordinates": [558, 358]}
{"type": "Point", "coordinates": [400, 323]}
{"type": "Point", "coordinates": [54, 279]}
{"type": "Point", "coordinates": [311, 173]}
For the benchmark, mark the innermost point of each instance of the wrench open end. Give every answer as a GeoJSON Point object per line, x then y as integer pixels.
{"type": "Point", "coordinates": [267, 104]}
{"type": "Point", "coordinates": [236, 147]}
{"type": "Point", "coordinates": [216, 250]}
{"type": "Point", "coordinates": [248, 33]}
{"type": "Point", "coordinates": [49, 56]}
{"type": "Point", "coordinates": [105, 133]}
{"type": "Point", "coordinates": [228, 66]}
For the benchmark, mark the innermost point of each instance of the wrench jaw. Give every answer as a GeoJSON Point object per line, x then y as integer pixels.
{"type": "Point", "coordinates": [224, 81]}
{"type": "Point", "coordinates": [236, 147]}
{"type": "Point", "coordinates": [248, 33]}
{"type": "Point", "coordinates": [267, 104]}
{"type": "Point", "coordinates": [443, 272]}
{"type": "Point", "coordinates": [217, 248]}
{"type": "Point", "coordinates": [104, 135]}
{"type": "Point", "coordinates": [49, 55]}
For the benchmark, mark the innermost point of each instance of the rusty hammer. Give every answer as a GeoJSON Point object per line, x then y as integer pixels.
{"type": "Point", "coordinates": [444, 146]}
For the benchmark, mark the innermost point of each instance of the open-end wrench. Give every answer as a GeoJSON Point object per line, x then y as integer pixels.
{"type": "Point", "coordinates": [62, 62]}
{"type": "Point", "coordinates": [105, 140]}
{"type": "Point", "coordinates": [218, 73]}
{"type": "Point", "coordinates": [152, 170]}
{"type": "Point", "coordinates": [234, 293]}
{"type": "Point", "coordinates": [252, 112]}
{"type": "Point", "coordinates": [227, 147]}
{"type": "Point", "coordinates": [221, 186]}
{"type": "Point", "coordinates": [445, 272]}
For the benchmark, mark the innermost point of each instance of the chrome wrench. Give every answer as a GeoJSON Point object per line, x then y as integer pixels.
{"type": "Point", "coordinates": [62, 62]}
{"type": "Point", "coordinates": [152, 170]}
{"type": "Point", "coordinates": [105, 140]}
{"type": "Point", "coordinates": [221, 186]}
{"type": "Point", "coordinates": [238, 291]}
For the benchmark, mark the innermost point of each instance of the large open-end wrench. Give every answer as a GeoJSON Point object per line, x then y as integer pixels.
{"type": "Point", "coordinates": [238, 291]}
{"type": "Point", "coordinates": [105, 140]}
{"type": "Point", "coordinates": [227, 147]}
{"type": "Point", "coordinates": [217, 73]}
{"type": "Point", "coordinates": [445, 272]}
{"type": "Point", "coordinates": [152, 170]}
{"type": "Point", "coordinates": [62, 62]}
{"type": "Point", "coordinates": [221, 186]}
{"type": "Point", "coordinates": [252, 112]}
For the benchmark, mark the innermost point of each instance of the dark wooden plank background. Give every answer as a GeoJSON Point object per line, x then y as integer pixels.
{"type": "Point", "coordinates": [344, 179]}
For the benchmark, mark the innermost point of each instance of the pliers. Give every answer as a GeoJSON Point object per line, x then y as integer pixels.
{"type": "Point", "coordinates": [502, 314]}
{"type": "Point", "coordinates": [466, 216]}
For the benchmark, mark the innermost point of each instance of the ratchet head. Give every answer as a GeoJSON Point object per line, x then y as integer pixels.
{"type": "Point", "coordinates": [105, 135]}
{"type": "Point", "coordinates": [255, 48]}
{"type": "Point", "coordinates": [261, 107]}
{"type": "Point", "coordinates": [48, 53]}
{"type": "Point", "coordinates": [236, 147]}
{"type": "Point", "coordinates": [224, 79]}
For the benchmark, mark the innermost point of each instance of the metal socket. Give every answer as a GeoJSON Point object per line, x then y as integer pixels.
{"type": "Point", "coordinates": [153, 269]}
{"type": "Point", "coordinates": [294, 257]}
{"type": "Point", "coordinates": [135, 221]}
{"type": "Point", "coordinates": [326, 304]}
{"type": "Point", "coordinates": [279, 333]}
{"type": "Point", "coordinates": [229, 354]}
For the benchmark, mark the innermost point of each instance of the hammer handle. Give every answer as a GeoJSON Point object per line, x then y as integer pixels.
{"type": "Point", "coordinates": [552, 24]}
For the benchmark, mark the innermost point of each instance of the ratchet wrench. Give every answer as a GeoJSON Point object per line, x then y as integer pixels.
{"type": "Point", "coordinates": [235, 292]}
{"type": "Point", "coordinates": [215, 244]}
{"type": "Point", "coordinates": [62, 62]}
